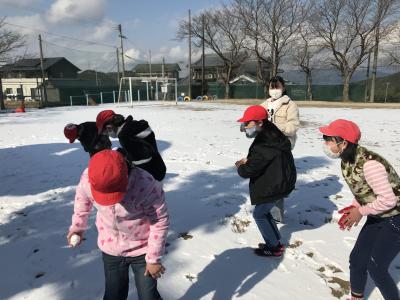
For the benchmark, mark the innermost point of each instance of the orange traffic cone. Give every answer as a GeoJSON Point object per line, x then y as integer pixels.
{"type": "Point", "coordinates": [21, 108]}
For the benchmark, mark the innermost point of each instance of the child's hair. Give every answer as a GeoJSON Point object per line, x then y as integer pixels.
{"type": "Point", "coordinates": [117, 120]}
{"type": "Point", "coordinates": [349, 154]}
{"type": "Point", "coordinates": [274, 83]}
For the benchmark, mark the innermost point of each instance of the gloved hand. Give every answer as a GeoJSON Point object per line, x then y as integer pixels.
{"type": "Point", "coordinates": [344, 211]}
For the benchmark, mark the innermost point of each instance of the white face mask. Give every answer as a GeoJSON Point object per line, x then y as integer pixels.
{"type": "Point", "coordinates": [111, 133]}
{"type": "Point", "coordinates": [251, 132]}
{"type": "Point", "coordinates": [329, 153]}
{"type": "Point", "coordinates": [275, 93]}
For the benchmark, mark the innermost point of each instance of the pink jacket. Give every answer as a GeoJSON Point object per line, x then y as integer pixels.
{"type": "Point", "coordinates": [137, 225]}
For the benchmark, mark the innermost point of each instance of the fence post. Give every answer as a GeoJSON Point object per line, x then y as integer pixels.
{"type": "Point", "coordinates": [138, 95]}
{"type": "Point", "coordinates": [101, 97]}
{"type": "Point", "coordinates": [126, 96]}
{"type": "Point", "coordinates": [70, 100]}
{"type": "Point", "coordinates": [87, 99]}
{"type": "Point", "coordinates": [114, 96]}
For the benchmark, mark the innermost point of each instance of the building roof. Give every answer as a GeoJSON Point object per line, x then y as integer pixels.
{"type": "Point", "coordinates": [33, 64]}
{"type": "Point", "coordinates": [156, 68]}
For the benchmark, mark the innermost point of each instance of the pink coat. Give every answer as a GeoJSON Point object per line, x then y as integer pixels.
{"type": "Point", "coordinates": [137, 225]}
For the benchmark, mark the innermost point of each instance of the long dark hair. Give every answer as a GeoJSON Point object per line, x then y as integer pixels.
{"type": "Point", "coordinates": [273, 83]}
{"type": "Point", "coordinates": [349, 153]}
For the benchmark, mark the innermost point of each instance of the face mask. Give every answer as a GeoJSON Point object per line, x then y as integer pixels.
{"type": "Point", "coordinates": [275, 93]}
{"type": "Point", "coordinates": [251, 132]}
{"type": "Point", "coordinates": [111, 133]}
{"type": "Point", "coordinates": [329, 153]}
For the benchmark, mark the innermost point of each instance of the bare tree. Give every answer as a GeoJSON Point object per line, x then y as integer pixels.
{"type": "Point", "coordinates": [250, 14]}
{"type": "Point", "coordinates": [222, 35]}
{"type": "Point", "coordinates": [347, 28]}
{"type": "Point", "coordinates": [305, 55]}
{"type": "Point", "coordinates": [9, 42]}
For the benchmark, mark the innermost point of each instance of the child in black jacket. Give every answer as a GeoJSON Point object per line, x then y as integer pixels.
{"type": "Point", "coordinates": [136, 138]}
{"type": "Point", "coordinates": [270, 167]}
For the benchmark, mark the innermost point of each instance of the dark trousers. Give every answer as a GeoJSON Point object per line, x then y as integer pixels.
{"type": "Point", "coordinates": [116, 271]}
{"type": "Point", "coordinates": [375, 248]}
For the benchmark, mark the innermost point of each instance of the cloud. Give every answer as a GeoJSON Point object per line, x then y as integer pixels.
{"type": "Point", "coordinates": [70, 11]}
{"type": "Point", "coordinates": [104, 30]}
{"type": "Point", "coordinates": [133, 53]}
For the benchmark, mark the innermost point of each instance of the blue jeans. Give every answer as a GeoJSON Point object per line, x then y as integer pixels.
{"type": "Point", "coordinates": [377, 245]}
{"type": "Point", "coordinates": [266, 224]}
{"type": "Point", "coordinates": [116, 271]}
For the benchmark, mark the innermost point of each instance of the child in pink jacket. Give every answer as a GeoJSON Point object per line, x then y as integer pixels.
{"type": "Point", "coordinates": [132, 223]}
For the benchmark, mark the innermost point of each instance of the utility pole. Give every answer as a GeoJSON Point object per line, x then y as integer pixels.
{"type": "Point", "coordinates": [150, 63]}
{"type": "Point", "coordinates": [367, 80]}
{"type": "Point", "coordinates": [44, 91]}
{"type": "Point", "coordinates": [118, 70]}
{"type": "Point", "coordinates": [2, 106]}
{"type": "Point", "coordinates": [122, 37]}
{"type": "Point", "coordinates": [190, 57]}
{"type": "Point", "coordinates": [163, 69]}
{"type": "Point", "coordinates": [376, 49]}
{"type": "Point", "coordinates": [203, 91]}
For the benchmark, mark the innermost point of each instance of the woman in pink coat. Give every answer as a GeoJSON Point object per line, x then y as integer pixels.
{"type": "Point", "coordinates": [132, 223]}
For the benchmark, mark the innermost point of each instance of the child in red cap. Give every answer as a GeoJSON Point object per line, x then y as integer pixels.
{"type": "Point", "coordinates": [136, 138]}
{"type": "Point", "coordinates": [270, 167]}
{"type": "Point", "coordinates": [86, 134]}
{"type": "Point", "coordinates": [132, 223]}
{"type": "Point", "coordinates": [376, 189]}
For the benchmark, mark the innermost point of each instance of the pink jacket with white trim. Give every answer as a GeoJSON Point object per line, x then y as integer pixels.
{"type": "Point", "coordinates": [137, 225]}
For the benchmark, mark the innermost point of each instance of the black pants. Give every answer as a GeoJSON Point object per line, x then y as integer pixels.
{"type": "Point", "coordinates": [116, 271]}
{"type": "Point", "coordinates": [375, 248]}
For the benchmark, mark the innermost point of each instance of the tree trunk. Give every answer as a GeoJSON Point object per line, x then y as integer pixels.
{"type": "Point", "coordinates": [309, 86]}
{"type": "Point", "coordinates": [227, 88]}
{"type": "Point", "coordinates": [2, 106]}
{"type": "Point", "coordinates": [346, 88]}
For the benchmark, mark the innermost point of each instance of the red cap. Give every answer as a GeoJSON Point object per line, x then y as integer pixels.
{"type": "Point", "coordinates": [71, 132]}
{"type": "Point", "coordinates": [108, 177]}
{"type": "Point", "coordinates": [345, 129]}
{"type": "Point", "coordinates": [102, 118]}
{"type": "Point", "coordinates": [254, 113]}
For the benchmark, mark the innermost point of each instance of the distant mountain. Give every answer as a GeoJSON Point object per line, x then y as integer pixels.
{"type": "Point", "coordinates": [329, 76]}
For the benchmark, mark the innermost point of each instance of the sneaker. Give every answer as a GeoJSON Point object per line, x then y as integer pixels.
{"type": "Point", "coordinates": [280, 246]}
{"type": "Point", "coordinates": [268, 252]}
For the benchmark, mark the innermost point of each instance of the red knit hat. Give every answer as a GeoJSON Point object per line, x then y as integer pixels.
{"type": "Point", "coordinates": [108, 177]}
{"type": "Point", "coordinates": [71, 132]}
{"type": "Point", "coordinates": [102, 118]}
{"type": "Point", "coordinates": [345, 129]}
{"type": "Point", "coordinates": [254, 113]}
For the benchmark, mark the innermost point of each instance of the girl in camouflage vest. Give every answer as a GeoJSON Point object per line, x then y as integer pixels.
{"type": "Point", "coordinates": [376, 188]}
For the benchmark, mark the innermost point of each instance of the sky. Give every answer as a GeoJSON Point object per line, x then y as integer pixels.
{"type": "Point", "coordinates": [148, 26]}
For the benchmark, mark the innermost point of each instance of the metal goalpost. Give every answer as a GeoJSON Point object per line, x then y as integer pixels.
{"type": "Point", "coordinates": [152, 88]}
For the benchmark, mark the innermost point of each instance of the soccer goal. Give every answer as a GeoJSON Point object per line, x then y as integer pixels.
{"type": "Point", "coordinates": [147, 89]}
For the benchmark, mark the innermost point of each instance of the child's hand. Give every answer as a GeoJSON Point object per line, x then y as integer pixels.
{"type": "Point", "coordinates": [154, 270]}
{"type": "Point", "coordinates": [70, 234]}
{"type": "Point", "coordinates": [352, 218]}
{"type": "Point", "coordinates": [240, 162]}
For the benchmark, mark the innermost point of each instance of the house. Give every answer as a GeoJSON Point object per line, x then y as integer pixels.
{"type": "Point", "coordinates": [24, 77]}
{"type": "Point", "coordinates": [170, 70]}
{"type": "Point", "coordinates": [214, 69]}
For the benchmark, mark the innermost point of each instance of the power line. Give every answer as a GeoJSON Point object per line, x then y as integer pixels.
{"type": "Point", "coordinates": [69, 48]}
{"type": "Point", "coordinates": [60, 35]}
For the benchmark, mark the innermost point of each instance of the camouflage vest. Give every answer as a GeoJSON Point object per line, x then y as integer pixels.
{"type": "Point", "coordinates": [354, 176]}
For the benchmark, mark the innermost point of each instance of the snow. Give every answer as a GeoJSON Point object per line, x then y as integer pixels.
{"type": "Point", "coordinates": [212, 230]}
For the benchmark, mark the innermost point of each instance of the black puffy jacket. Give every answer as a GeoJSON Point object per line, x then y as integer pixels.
{"type": "Point", "coordinates": [139, 142]}
{"type": "Point", "coordinates": [270, 167]}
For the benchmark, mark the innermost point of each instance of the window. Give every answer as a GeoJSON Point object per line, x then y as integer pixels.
{"type": "Point", "coordinates": [9, 91]}
{"type": "Point", "coordinates": [210, 76]}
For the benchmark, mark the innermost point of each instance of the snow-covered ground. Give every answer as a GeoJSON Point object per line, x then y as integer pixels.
{"type": "Point", "coordinates": [212, 231]}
